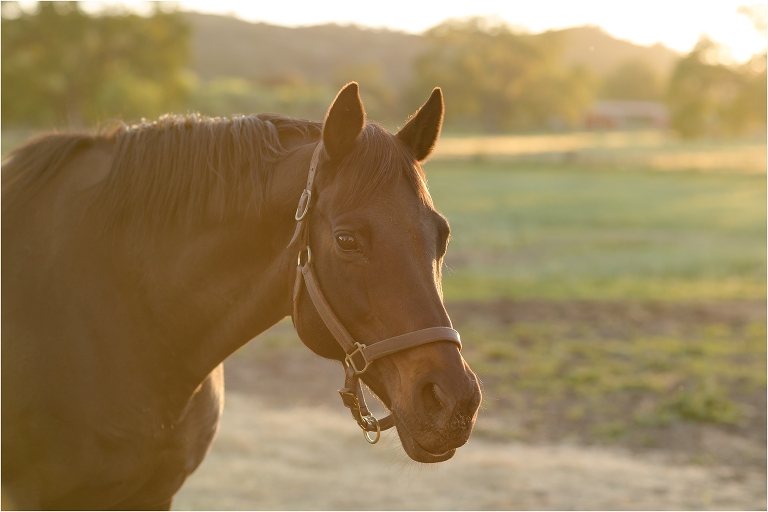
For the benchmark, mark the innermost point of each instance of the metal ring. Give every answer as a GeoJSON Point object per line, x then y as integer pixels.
{"type": "Point", "coordinates": [378, 430]}
{"type": "Point", "coordinates": [309, 256]}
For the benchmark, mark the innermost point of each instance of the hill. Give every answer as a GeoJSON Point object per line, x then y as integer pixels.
{"type": "Point", "coordinates": [328, 54]}
{"type": "Point", "coordinates": [269, 53]}
{"type": "Point", "coordinates": [594, 48]}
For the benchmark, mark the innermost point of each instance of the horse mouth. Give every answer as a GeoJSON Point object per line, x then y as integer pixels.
{"type": "Point", "coordinates": [417, 452]}
{"type": "Point", "coordinates": [429, 457]}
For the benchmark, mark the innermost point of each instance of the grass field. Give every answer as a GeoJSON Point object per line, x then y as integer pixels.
{"type": "Point", "coordinates": [561, 231]}
{"type": "Point", "coordinates": [652, 150]}
{"type": "Point", "coordinates": [609, 305]}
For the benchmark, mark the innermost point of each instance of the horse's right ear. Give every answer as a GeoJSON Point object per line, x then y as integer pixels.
{"type": "Point", "coordinates": [344, 122]}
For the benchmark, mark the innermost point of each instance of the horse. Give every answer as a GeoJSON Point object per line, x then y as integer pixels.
{"type": "Point", "coordinates": [137, 259]}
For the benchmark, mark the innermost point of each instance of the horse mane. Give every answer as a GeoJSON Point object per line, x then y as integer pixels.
{"type": "Point", "coordinates": [29, 167]}
{"type": "Point", "coordinates": [185, 168]}
{"type": "Point", "coordinates": [181, 169]}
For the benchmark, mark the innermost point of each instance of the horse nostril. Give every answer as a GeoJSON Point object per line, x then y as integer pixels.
{"type": "Point", "coordinates": [433, 399]}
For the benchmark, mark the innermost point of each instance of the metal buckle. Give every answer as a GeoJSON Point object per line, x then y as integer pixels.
{"type": "Point", "coordinates": [370, 421]}
{"type": "Point", "coordinates": [350, 399]}
{"type": "Point", "coordinates": [303, 207]}
{"type": "Point", "coordinates": [351, 362]}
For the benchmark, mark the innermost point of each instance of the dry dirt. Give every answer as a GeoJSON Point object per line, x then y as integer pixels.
{"type": "Point", "coordinates": [615, 318]}
{"type": "Point", "coordinates": [315, 458]}
{"type": "Point", "coordinates": [287, 443]}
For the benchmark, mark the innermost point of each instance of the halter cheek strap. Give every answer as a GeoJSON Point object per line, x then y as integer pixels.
{"type": "Point", "coordinates": [358, 356]}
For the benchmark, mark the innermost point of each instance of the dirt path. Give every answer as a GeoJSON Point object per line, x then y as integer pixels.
{"type": "Point", "coordinates": [267, 458]}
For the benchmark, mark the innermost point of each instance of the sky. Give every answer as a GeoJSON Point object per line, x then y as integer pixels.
{"type": "Point", "coordinates": [677, 24]}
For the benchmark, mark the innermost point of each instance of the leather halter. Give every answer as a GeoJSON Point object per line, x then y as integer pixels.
{"type": "Point", "coordinates": [358, 356]}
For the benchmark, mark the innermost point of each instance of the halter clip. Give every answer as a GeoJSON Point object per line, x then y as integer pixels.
{"type": "Point", "coordinates": [351, 362]}
{"type": "Point", "coordinates": [371, 421]}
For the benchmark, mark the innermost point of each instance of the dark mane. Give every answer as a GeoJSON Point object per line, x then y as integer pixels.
{"type": "Point", "coordinates": [183, 168]}
{"type": "Point", "coordinates": [378, 159]}
{"type": "Point", "coordinates": [31, 166]}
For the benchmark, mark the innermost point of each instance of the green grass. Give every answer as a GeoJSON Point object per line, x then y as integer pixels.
{"type": "Point", "coordinates": [568, 232]}
{"type": "Point", "coordinates": [565, 380]}
{"type": "Point", "coordinates": [559, 360]}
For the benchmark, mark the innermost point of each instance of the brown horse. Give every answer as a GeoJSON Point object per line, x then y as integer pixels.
{"type": "Point", "coordinates": [135, 262]}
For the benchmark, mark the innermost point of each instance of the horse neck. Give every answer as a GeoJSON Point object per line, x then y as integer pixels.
{"type": "Point", "coordinates": [212, 289]}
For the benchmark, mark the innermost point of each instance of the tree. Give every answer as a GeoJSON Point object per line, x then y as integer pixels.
{"type": "Point", "coordinates": [633, 79]}
{"type": "Point", "coordinates": [62, 66]}
{"type": "Point", "coordinates": [497, 80]}
{"type": "Point", "coordinates": [757, 15]}
{"type": "Point", "coordinates": [381, 99]}
{"type": "Point", "coordinates": [748, 110]}
{"type": "Point", "coordinates": [708, 98]}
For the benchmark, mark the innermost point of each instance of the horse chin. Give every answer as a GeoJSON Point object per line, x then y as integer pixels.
{"type": "Point", "coordinates": [415, 450]}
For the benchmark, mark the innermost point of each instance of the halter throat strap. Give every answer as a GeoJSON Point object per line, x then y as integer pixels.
{"type": "Point", "coordinates": [358, 356]}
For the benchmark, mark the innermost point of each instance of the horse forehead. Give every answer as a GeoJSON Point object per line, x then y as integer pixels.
{"type": "Point", "coordinates": [413, 225]}
{"type": "Point", "coordinates": [402, 210]}
{"type": "Point", "coordinates": [393, 200]}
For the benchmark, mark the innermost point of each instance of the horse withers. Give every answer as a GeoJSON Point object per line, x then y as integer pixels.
{"type": "Point", "coordinates": [134, 262]}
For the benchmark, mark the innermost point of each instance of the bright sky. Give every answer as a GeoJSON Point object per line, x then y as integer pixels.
{"type": "Point", "coordinates": [677, 24]}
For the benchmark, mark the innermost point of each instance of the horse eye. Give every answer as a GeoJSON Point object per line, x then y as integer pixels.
{"type": "Point", "coordinates": [346, 242]}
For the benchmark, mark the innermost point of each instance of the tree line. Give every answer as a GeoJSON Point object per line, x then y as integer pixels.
{"type": "Point", "coordinates": [61, 66]}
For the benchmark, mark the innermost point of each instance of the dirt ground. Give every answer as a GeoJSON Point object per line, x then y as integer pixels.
{"type": "Point", "coordinates": [615, 318]}
{"type": "Point", "coordinates": [287, 443]}
{"type": "Point", "coordinates": [315, 458]}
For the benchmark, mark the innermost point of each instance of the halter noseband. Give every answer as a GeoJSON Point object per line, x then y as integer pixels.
{"type": "Point", "coordinates": [358, 356]}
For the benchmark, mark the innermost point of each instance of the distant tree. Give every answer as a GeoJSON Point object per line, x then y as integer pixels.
{"type": "Point", "coordinates": [497, 80]}
{"type": "Point", "coordinates": [62, 66]}
{"type": "Point", "coordinates": [748, 110]}
{"type": "Point", "coordinates": [751, 103]}
{"type": "Point", "coordinates": [633, 79]}
{"type": "Point", "coordinates": [382, 101]}
{"type": "Point", "coordinates": [757, 14]}
{"type": "Point", "coordinates": [225, 96]}
{"type": "Point", "coordinates": [709, 98]}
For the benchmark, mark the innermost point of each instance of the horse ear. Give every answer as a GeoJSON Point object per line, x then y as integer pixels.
{"type": "Point", "coordinates": [344, 122]}
{"type": "Point", "coordinates": [421, 131]}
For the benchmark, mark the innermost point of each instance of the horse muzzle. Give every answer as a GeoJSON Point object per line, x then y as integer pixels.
{"type": "Point", "coordinates": [440, 416]}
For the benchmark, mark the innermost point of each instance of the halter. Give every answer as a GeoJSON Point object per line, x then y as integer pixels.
{"type": "Point", "coordinates": [358, 356]}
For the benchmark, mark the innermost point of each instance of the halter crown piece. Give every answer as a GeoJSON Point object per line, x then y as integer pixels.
{"type": "Point", "coordinates": [358, 356]}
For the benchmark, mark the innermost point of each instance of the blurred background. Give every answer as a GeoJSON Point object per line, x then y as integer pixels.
{"type": "Point", "coordinates": [603, 168]}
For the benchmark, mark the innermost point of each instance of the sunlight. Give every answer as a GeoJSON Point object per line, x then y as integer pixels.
{"type": "Point", "coordinates": [677, 25]}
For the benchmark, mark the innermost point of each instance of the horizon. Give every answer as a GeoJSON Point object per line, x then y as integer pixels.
{"type": "Point", "coordinates": [653, 22]}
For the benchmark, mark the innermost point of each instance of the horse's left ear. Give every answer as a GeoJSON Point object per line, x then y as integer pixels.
{"type": "Point", "coordinates": [344, 122]}
{"type": "Point", "coordinates": [421, 131]}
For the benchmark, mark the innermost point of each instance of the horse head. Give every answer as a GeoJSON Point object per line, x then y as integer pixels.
{"type": "Point", "coordinates": [377, 247]}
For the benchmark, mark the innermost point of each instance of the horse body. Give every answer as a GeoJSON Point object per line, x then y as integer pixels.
{"type": "Point", "coordinates": [93, 409]}
{"type": "Point", "coordinates": [116, 319]}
